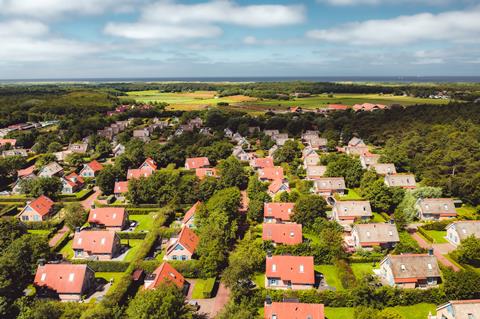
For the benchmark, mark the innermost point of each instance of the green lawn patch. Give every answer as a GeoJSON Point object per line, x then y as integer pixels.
{"type": "Point", "coordinates": [351, 194]}
{"type": "Point", "coordinates": [438, 236]}
{"type": "Point", "coordinates": [67, 250]}
{"type": "Point", "coordinates": [360, 270]}
{"type": "Point", "coordinates": [109, 275]}
{"type": "Point", "coordinates": [135, 244]}
{"type": "Point", "coordinates": [44, 232]}
{"type": "Point", "coordinates": [145, 222]}
{"type": "Point", "coordinates": [468, 212]}
{"type": "Point", "coordinates": [331, 275]}
{"type": "Point", "coordinates": [338, 313]}
{"type": "Point", "coordinates": [203, 288]}
{"type": "Point", "coordinates": [314, 238]}
{"type": "Point", "coordinates": [377, 218]}
{"type": "Point", "coordinates": [259, 280]}
{"type": "Point", "coordinates": [418, 311]}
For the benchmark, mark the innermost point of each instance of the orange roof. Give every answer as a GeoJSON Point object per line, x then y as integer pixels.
{"type": "Point", "coordinates": [165, 273]}
{"type": "Point", "coordinates": [297, 269]}
{"type": "Point", "coordinates": [263, 162]}
{"type": "Point", "coordinates": [288, 234]}
{"type": "Point", "coordinates": [120, 187]}
{"type": "Point", "coordinates": [5, 141]}
{"type": "Point", "coordinates": [281, 211]}
{"type": "Point", "coordinates": [276, 185]}
{"type": "Point", "coordinates": [108, 216]}
{"type": "Point", "coordinates": [188, 239]}
{"type": "Point", "coordinates": [95, 241]}
{"type": "Point", "coordinates": [137, 173]}
{"type": "Point", "coordinates": [26, 171]}
{"type": "Point", "coordinates": [150, 163]}
{"type": "Point", "coordinates": [73, 179]}
{"type": "Point", "coordinates": [205, 172]}
{"type": "Point", "coordinates": [42, 205]}
{"type": "Point", "coordinates": [271, 173]}
{"type": "Point", "coordinates": [95, 166]}
{"type": "Point", "coordinates": [339, 107]}
{"type": "Point", "coordinates": [196, 162]}
{"type": "Point", "coordinates": [294, 310]}
{"type": "Point", "coordinates": [189, 214]}
{"type": "Point", "coordinates": [62, 278]}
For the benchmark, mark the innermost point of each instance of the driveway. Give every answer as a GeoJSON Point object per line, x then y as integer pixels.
{"type": "Point", "coordinates": [212, 306]}
{"type": "Point", "coordinates": [57, 236]}
{"type": "Point", "coordinates": [90, 200]}
{"type": "Point", "coordinates": [439, 250]}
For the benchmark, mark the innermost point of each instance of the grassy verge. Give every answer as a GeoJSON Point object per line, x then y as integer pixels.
{"type": "Point", "coordinates": [352, 194]}
{"type": "Point", "coordinates": [331, 275]}
{"type": "Point", "coordinates": [203, 288]}
{"type": "Point", "coordinates": [418, 311]}
{"type": "Point", "coordinates": [67, 250]}
{"type": "Point", "coordinates": [135, 244]}
{"type": "Point", "coordinates": [109, 275]}
{"type": "Point", "coordinates": [361, 270]}
{"type": "Point", "coordinates": [437, 236]}
{"type": "Point", "coordinates": [259, 280]}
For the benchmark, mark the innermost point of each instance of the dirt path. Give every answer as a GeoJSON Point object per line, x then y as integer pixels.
{"type": "Point", "coordinates": [438, 249]}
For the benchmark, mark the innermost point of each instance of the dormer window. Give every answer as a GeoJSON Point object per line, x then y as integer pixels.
{"type": "Point", "coordinates": [368, 234]}
{"type": "Point", "coordinates": [274, 268]}
{"type": "Point", "coordinates": [427, 206]}
{"type": "Point", "coordinates": [302, 269]}
{"type": "Point", "coordinates": [429, 266]}
{"type": "Point", "coordinates": [292, 234]}
{"type": "Point", "coordinates": [102, 241]}
{"type": "Point", "coordinates": [114, 216]}
{"type": "Point", "coordinates": [445, 207]}
{"type": "Point", "coordinates": [44, 276]}
{"type": "Point", "coordinates": [403, 268]}
{"type": "Point", "coordinates": [390, 233]}
{"type": "Point", "coordinates": [71, 277]}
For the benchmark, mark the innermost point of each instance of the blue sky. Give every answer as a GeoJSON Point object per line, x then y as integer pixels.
{"type": "Point", "coordinates": [176, 38]}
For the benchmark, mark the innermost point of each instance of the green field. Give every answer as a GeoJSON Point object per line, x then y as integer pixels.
{"type": "Point", "coordinates": [438, 236]}
{"type": "Point", "coordinates": [45, 232]}
{"type": "Point", "coordinates": [352, 194]}
{"type": "Point", "coordinates": [418, 311]}
{"type": "Point", "coordinates": [202, 287]}
{"type": "Point", "coordinates": [145, 222]}
{"type": "Point", "coordinates": [331, 275]}
{"type": "Point", "coordinates": [361, 270]}
{"type": "Point", "coordinates": [468, 212]}
{"type": "Point", "coordinates": [109, 275]}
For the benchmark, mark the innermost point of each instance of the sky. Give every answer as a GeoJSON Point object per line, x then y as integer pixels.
{"type": "Point", "coordinates": [48, 39]}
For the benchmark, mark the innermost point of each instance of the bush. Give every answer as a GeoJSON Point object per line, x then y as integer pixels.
{"type": "Point", "coordinates": [45, 225]}
{"type": "Point", "coordinates": [345, 273]}
{"type": "Point", "coordinates": [62, 242]}
{"type": "Point", "coordinates": [440, 225]}
{"type": "Point", "coordinates": [422, 231]}
{"type": "Point", "coordinates": [131, 235]}
{"type": "Point", "coordinates": [104, 266]}
{"type": "Point", "coordinates": [9, 210]}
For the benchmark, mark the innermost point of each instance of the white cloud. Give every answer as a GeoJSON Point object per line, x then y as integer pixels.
{"type": "Point", "coordinates": [378, 2]}
{"type": "Point", "coordinates": [166, 20]}
{"type": "Point", "coordinates": [455, 26]}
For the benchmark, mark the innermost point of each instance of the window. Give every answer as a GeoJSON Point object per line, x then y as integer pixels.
{"type": "Point", "coordinates": [25, 218]}
{"type": "Point", "coordinates": [390, 233]}
{"type": "Point", "coordinates": [272, 282]}
{"type": "Point", "coordinates": [292, 234]}
{"type": "Point", "coordinates": [368, 234]}
{"type": "Point", "coordinates": [71, 277]}
{"type": "Point", "coordinates": [184, 257]}
{"type": "Point", "coordinates": [274, 316]}
{"type": "Point", "coordinates": [302, 269]}
{"type": "Point", "coordinates": [403, 267]}
{"type": "Point", "coordinates": [174, 257]}
{"type": "Point", "coordinates": [103, 241]}
{"type": "Point", "coordinates": [429, 266]}
{"type": "Point", "coordinates": [36, 218]}
{"type": "Point", "coordinates": [43, 277]}
{"type": "Point", "coordinates": [274, 268]}
{"type": "Point", "coordinates": [114, 216]}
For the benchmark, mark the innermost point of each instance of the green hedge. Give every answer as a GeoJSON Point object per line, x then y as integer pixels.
{"type": "Point", "coordinates": [62, 242]}
{"type": "Point", "coordinates": [81, 195]}
{"type": "Point", "coordinates": [425, 234]}
{"type": "Point", "coordinates": [131, 235]}
{"type": "Point", "coordinates": [14, 199]}
{"type": "Point", "coordinates": [438, 225]}
{"type": "Point", "coordinates": [49, 224]}
{"type": "Point", "coordinates": [104, 266]}
{"type": "Point", "coordinates": [9, 210]}
{"type": "Point", "coordinates": [141, 211]}
{"type": "Point", "coordinates": [362, 260]}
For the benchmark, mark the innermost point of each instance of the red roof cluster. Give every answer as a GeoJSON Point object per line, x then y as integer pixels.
{"type": "Point", "coordinates": [281, 211]}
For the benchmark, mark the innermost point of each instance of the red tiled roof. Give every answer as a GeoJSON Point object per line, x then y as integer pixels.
{"type": "Point", "coordinates": [149, 163]}
{"type": "Point", "coordinates": [281, 211]}
{"type": "Point", "coordinates": [95, 241]}
{"type": "Point", "coordinates": [294, 310]}
{"type": "Point", "coordinates": [288, 234]}
{"type": "Point", "coordinates": [263, 162]}
{"type": "Point", "coordinates": [189, 214]}
{"type": "Point", "coordinates": [196, 162]}
{"type": "Point", "coordinates": [108, 216]}
{"type": "Point", "coordinates": [42, 205]}
{"type": "Point", "coordinates": [297, 269]}
{"type": "Point", "coordinates": [188, 239]}
{"type": "Point", "coordinates": [337, 107]}
{"type": "Point", "coordinates": [275, 186]}
{"type": "Point", "coordinates": [271, 173]}
{"type": "Point", "coordinates": [204, 172]}
{"type": "Point", "coordinates": [137, 173]}
{"type": "Point", "coordinates": [62, 278]}
{"type": "Point", "coordinates": [26, 171]}
{"type": "Point", "coordinates": [73, 179]}
{"type": "Point", "coordinates": [5, 141]}
{"type": "Point", "coordinates": [120, 187]}
{"type": "Point", "coordinates": [95, 166]}
{"type": "Point", "coordinates": [166, 273]}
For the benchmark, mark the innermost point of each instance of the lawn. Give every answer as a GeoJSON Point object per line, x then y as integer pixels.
{"type": "Point", "coordinates": [418, 311]}
{"type": "Point", "coordinates": [314, 238]}
{"type": "Point", "coordinates": [109, 275]}
{"type": "Point", "coordinates": [438, 236]}
{"type": "Point", "coordinates": [360, 270]}
{"type": "Point", "coordinates": [338, 313]}
{"type": "Point", "coordinates": [377, 218]}
{"type": "Point", "coordinates": [467, 212]}
{"type": "Point", "coordinates": [331, 275]}
{"type": "Point", "coordinates": [145, 222]}
{"type": "Point", "coordinates": [67, 250]}
{"type": "Point", "coordinates": [259, 280]}
{"type": "Point", "coordinates": [45, 232]}
{"type": "Point", "coordinates": [135, 245]}
{"type": "Point", "coordinates": [352, 194]}
{"type": "Point", "coordinates": [203, 288]}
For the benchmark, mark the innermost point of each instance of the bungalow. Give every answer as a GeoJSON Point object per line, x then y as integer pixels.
{"type": "Point", "coordinates": [26, 171]}
{"type": "Point", "coordinates": [309, 134]}
{"type": "Point", "coordinates": [111, 218]}
{"type": "Point", "coordinates": [264, 162]}
{"type": "Point", "coordinates": [460, 230]}
{"type": "Point", "coordinates": [277, 186]}
{"type": "Point", "coordinates": [384, 169]}
{"type": "Point", "coordinates": [165, 273]}
{"type": "Point", "coordinates": [96, 244]}
{"type": "Point", "coordinates": [289, 272]}
{"type": "Point", "coordinates": [228, 132]}
{"type": "Point", "coordinates": [410, 270]}
{"type": "Point", "coordinates": [91, 169]}
{"type": "Point", "coordinates": [183, 247]}
{"type": "Point", "coordinates": [270, 173]}
{"type": "Point", "coordinates": [281, 139]}
{"type": "Point", "coordinates": [351, 211]}
{"type": "Point", "coordinates": [15, 152]}
{"type": "Point", "coordinates": [337, 107]}
{"type": "Point", "coordinates": [37, 210]}
{"type": "Point", "coordinates": [369, 159]}
{"type": "Point", "coordinates": [356, 150]}
{"type": "Point", "coordinates": [327, 186]}
{"type": "Point", "coordinates": [78, 147]}
{"type": "Point", "coordinates": [356, 142]}
{"type": "Point", "coordinates": [206, 172]}
{"type": "Point", "coordinates": [289, 310]}
{"type": "Point", "coordinates": [368, 107]}
{"type": "Point", "coordinates": [406, 181]}
{"type": "Point", "coordinates": [285, 234]}
{"type": "Point", "coordinates": [315, 172]}
{"type": "Point", "coordinates": [142, 134]}
{"type": "Point", "coordinates": [197, 162]}
{"type": "Point", "coordinates": [277, 212]}
{"type": "Point", "coordinates": [134, 173]}
{"type": "Point", "coordinates": [311, 160]}
{"type": "Point", "coordinates": [189, 218]}
{"type": "Point", "coordinates": [120, 188]}
{"type": "Point", "coordinates": [50, 170]}
{"type": "Point", "coordinates": [148, 164]}
{"type": "Point", "coordinates": [67, 281]}
{"type": "Point", "coordinates": [367, 236]}
{"type": "Point", "coordinates": [435, 208]}
{"type": "Point", "coordinates": [272, 150]}
{"type": "Point", "coordinates": [318, 143]}
{"type": "Point", "coordinates": [61, 156]}
{"type": "Point", "coordinates": [72, 183]}
{"type": "Point", "coordinates": [118, 150]}
{"type": "Point", "coordinates": [458, 309]}
{"type": "Point", "coordinates": [17, 187]}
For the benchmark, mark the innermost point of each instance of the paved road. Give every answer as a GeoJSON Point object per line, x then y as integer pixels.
{"type": "Point", "coordinates": [438, 250]}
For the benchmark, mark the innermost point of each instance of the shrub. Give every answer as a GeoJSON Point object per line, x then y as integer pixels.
{"type": "Point", "coordinates": [131, 235]}
{"type": "Point", "coordinates": [104, 266]}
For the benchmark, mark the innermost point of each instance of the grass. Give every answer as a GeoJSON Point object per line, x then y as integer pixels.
{"type": "Point", "coordinates": [259, 280]}
{"type": "Point", "coordinates": [418, 311]}
{"type": "Point", "coordinates": [134, 246]}
{"type": "Point", "coordinates": [438, 236]}
{"type": "Point", "coordinates": [67, 250]}
{"type": "Point", "coordinates": [203, 288]}
{"type": "Point", "coordinates": [467, 212]}
{"type": "Point", "coordinates": [45, 232]}
{"type": "Point", "coordinates": [338, 313]}
{"type": "Point", "coordinates": [314, 238]}
{"type": "Point", "coordinates": [351, 195]}
{"type": "Point", "coordinates": [377, 218]}
{"type": "Point", "coordinates": [331, 275]}
{"type": "Point", "coordinates": [109, 275]}
{"type": "Point", "coordinates": [361, 270]}
{"type": "Point", "coordinates": [145, 222]}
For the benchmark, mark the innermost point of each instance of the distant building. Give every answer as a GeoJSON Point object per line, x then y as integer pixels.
{"type": "Point", "coordinates": [120, 188]}
{"type": "Point", "coordinates": [351, 211]}
{"type": "Point", "coordinates": [327, 186]}
{"type": "Point", "coordinates": [204, 172]}
{"type": "Point", "coordinates": [50, 170]}
{"type": "Point", "coordinates": [270, 173]}
{"type": "Point", "coordinates": [196, 162]}
{"type": "Point", "coordinates": [183, 247]}
{"type": "Point", "coordinates": [384, 169]}
{"type": "Point", "coordinates": [78, 147]}
{"type": "Point", "coordinates": [315, 172]}
{"type": "Point", "coordinates": [264, 162]}
{"type": "Point", "coordinates": [111, 218]}
{"type": "Point", "coordinates": [72, 183]}
{"type": "Point", "coordinates": [91, 169]}
{"type": "Point", "coordinates": [368, 159]}
{"type": "Point", "coordinates": [277, 212]}
{"type": "Point", "coordinates": [406, 181]}
{"type": "Point", "coordinates": [37, 210]}
{"type": "Point", "coordinates": [368, 236]}
{"type": "Point", "coordinates": [277, 186]}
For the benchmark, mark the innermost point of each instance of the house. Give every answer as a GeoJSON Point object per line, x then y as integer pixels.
{"type": "Point", "coordinates": [368, 159]}
{"type": "Point", "coordinates": [337, 107]}
{"type": "Point", "coordinates": [62, 155]}
{"type": "Point", "coordinates": [384, 169]}
{"type": "Point", "coordinates": [165, 273]}
{"type": "Point", "coordinates": [271, 132]}
{"type": "Point", "coordinates": [96, 244]}
{"type": "Point", "coordinates": [293, 310]}
{"type": "Point", "coordinates": [289, 272]}
{"type": "Point", "coordinates": [91, 169]}
{"type": "Point", "coordinates": [315, 172]}
{"type": "Point", "coordinates": [37, 210]}
{"type": "Point", "coordinates": [111, 218]}
{"type": "Point", "coordinates": [356, 150]}
{"type": "Point", "coordinates": [458, 309]}
{"type": "Point", "coordinates": [183, 247]}
{"type": "Point", "coordinates": [435, 208]}
{"type": "Point", "coordinates": [285, 234]}
{"type": "Point", "coordinates": [309, 134]}
{"type": "Point", "coordinates": [240, 154]}
{"type": "Point", "coordinates": [318, 143]}
{"type": "Point", "coordinates": [50, 170]}
{"type": "Point", "coordinates": [197, 162]}
{"type": "Point", "coordinates": [78, 147]}
{"type": "Point", "coordinates": [351, 211]}
{"type": "Point", "coordinates": [26, 171]}
{"type": "Point", "coordinates": [406, 181]}
{"type": "Point", "coordinates": [189, 218]}
{"type": "Point", "coordinates": [206, 172]}
{"type": "Point", "coordinates": [15, 152]}
{"type": "Point", "coordinates": [118, 150]}
{"type": "Point", "coordinates": [270, 173]}
{"type": "Point", "coordinates": [8, 141]}
{"type": "Point", "coordinates": [17, 186]}
{"type": "Point", "coordinates": [196, 122]}
{"type": "Point", "coordinates": [142, 134]}
{"type": "Point", "coordinates": [410, 270]}
{"type": "Point", "coordinates": [272, 150]}
{"type": "Point", "coordinates": [277, 212]}
{"type": "Point", "coordinates": [70, 282]}
{"type": "Point", "coordinates": [148, 164]}
{"type": "Point", "coordinates": [264, 162]}
{"type": "Point", "coordinates": [327, 186]}
{"type": "Point", "coordinates": [277, 186]}
{"type": "Point", "coordinates": [72, 183]}
{"type": "Point", "coordinates": [368, 107]}
{"type": "Point", "coordinates": [281, 138]}
{"type": "Point", "coordinates": [253, 129]}
{"type": "Point", "coordinates": [120, 188]}
{"type": "Point", "coordinates": [356, 142]}
{"type": "Point", "coordinates": [228, 132]}
{"type": "Point", "coordinates": [135, 173]}
{"type": "Point", "coordinates": [460, 230]}
{"type": "Point", "coordinates": [311, 159]}
{"type": "Point", "coordinates": [368, 236]}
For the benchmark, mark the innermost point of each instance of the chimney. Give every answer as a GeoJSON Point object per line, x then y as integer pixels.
{"type": "Point", "coordinates": [41, 262]}
{"type": "Point", "coordinates": [268, 300]}
{"type": "Point", "coordinates": [77, 229]}
{"type": "Point", "coordinates": [392, 221]}
{"type": "Point", "coordinates": [430, 251]}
